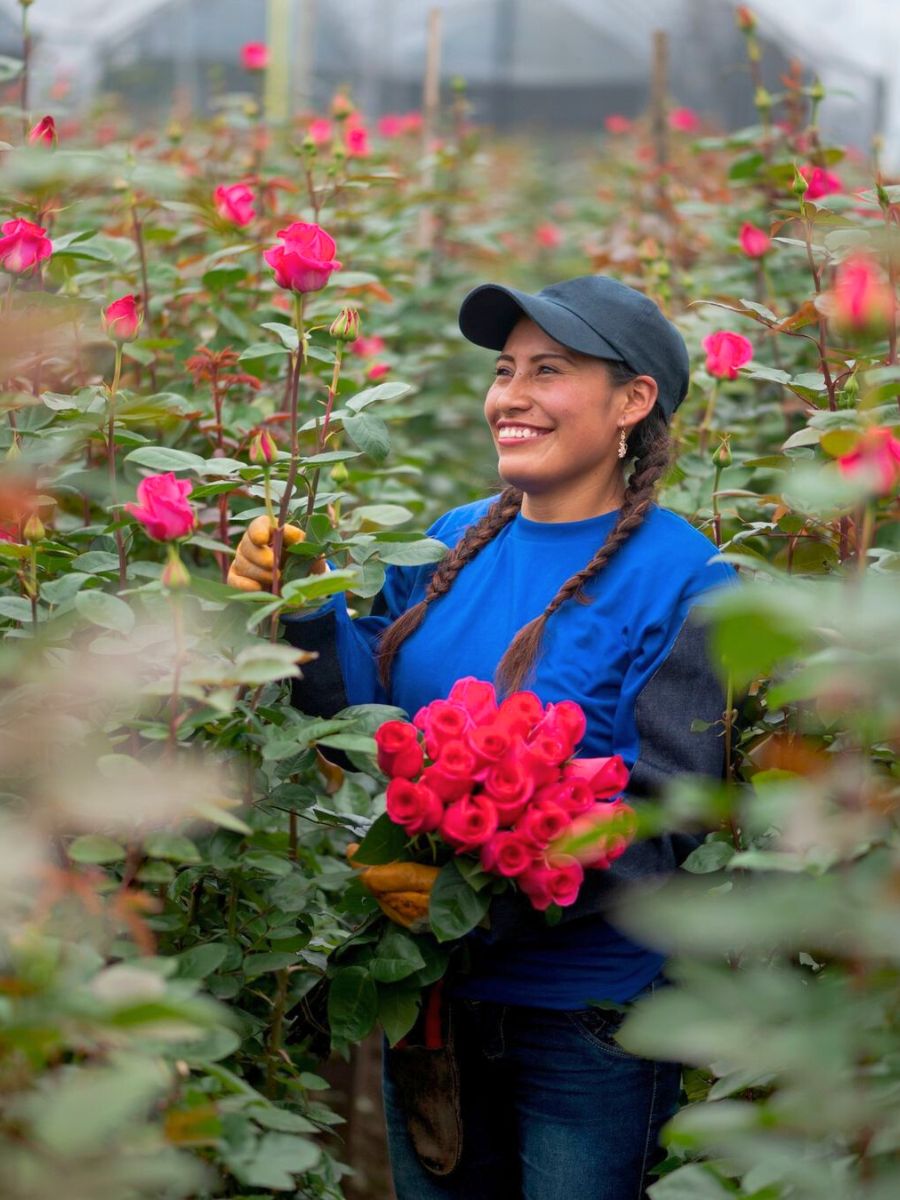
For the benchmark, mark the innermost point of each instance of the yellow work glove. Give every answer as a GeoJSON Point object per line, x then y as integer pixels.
{"type": "Point", "coordinates": [401, 889]}
{"type": "Point", "coordinates": [251, 569]}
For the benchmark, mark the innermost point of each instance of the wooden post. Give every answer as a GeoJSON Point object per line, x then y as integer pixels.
{"type": "Point", "coordinates": [659, 102]}
{"type": "Point", "coordinates": [278, 72]}
{"type": "Point", "coordinates": [304, 52]}
{"type": "Point", "coordinates": [431, 99]}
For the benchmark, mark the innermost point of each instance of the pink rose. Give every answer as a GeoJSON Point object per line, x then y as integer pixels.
{"type": "Point", "coordinates": [234, 203]}
{"type": "Point", "coordinates": [356, 139]}
{"type": "Point", "coordinates": [469, 823]}
{"type": "Point", "coordinates": [391, 125]}
{"type": "Point", "coordinates": [606, 777]}
{"type": "Point", "coordinates": [441, 721]}
{"type": "Point", "coordinates": [254, 56]}
{"type": "Point", "coordinates": [542, 756]}
{"type": "Point", "coordinates": [164, 510]}
{"type": "Point", "coordinates": [820, 183]}
{"type": "Point", "coordinates": [399, 751]}
{"type": "Point", "coordinates": [367, 347]}
{"type": "Point", "coordinates": [414, 806]}
{"type": "Point", "coordinates": [725, 352]}
{"type": "Point", "coordinates": [615, 123]}
{"type": "Point", "coordinates": [477, 697]}
{"type": "Point", "coordinates": [377, 371]}
{"type": "Point", "coordinates": [685, 120]}
{"type": "Point", "coordinates": [507, 853]}
{"type": "Point", "coordinates": [565, 721]}
{"type": "Point", "coordinates": [554, 880]}
{"type": "Point", "coordinates": [510, 787]}
{"type": "Point", "coordinates": [122, 319]}
{"type": "Point", "coordinates": [23, 247]}
{"type": "Point", "coordinates": [600, 846]}
{"type": "Point", "coordinates": [876, 458]}
{"type": "Point", "coordinates": [520, 712]}
{"type": "Point", "coordinates": [755, 242]}
{"type": "Point", "coordinates": [542, 822]}
{"type": "Point", "coordinates": [862, 300]}
{"type": "Point", "coordinates": [305, 262]}
{"type": "Point", "coordinates": [44, 133]}
{"type": "Point", "coordinates": [320, 131]}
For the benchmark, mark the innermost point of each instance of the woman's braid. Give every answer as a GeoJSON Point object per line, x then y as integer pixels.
{"type": "Point", "coordinates": [651, 450]}
{"type": "Point", "coordinates": [476, 537]}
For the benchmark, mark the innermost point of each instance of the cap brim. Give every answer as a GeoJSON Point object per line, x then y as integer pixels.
{"type": "Point", "coordinates": [489, 312]}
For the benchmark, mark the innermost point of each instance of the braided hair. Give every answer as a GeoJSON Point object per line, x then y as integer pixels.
{"type": "Point", "coordinates": [648, 445]}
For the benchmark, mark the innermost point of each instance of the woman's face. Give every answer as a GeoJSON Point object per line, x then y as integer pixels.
{"type": "Point", "coordinates": [554, 415]}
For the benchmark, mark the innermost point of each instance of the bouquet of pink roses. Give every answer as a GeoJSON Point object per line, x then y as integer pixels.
{"type": "Point", "coordinates": [499, 780]}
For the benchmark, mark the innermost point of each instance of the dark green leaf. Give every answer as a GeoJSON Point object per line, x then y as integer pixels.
{"type": "Point", "coordinates": [352, 1004]}
{"type": "Point", "coordinates": [454, 907]}
{"type": "Point", "coordinates": [385, 842]}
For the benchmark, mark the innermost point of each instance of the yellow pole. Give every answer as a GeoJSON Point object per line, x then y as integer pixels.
{"type": "Point", "coordinates": [278, 74]}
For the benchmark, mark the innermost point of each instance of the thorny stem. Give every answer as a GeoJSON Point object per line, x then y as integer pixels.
{"type": "Point", "coordinates": [297, 363]}
{"type": "Point", "coordinates": [820, 341]}
{"type": "Point", "coordinates": [111, 462]}
{"type": "Point", "coordinates": [273, 1050]}
{"type": "Point", "coordinates": [322, 433]}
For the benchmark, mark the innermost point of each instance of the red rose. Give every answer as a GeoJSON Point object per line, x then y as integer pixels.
{"type": "Point", "coordinates": [542, 757]}
{"type": "Point", "coordinates": [510, 788]}
{"type": "Point", "coordinates": [305, 262]}
{"type": "Point", "coordinates": [399, 751]}
{"type": "Point", "coordinates": [605, 776]}
{"type": "Point", "coordinates": [122, 319]}
{"type": "Point", "coordinates": [603, 845]}
{"type": "Point", "coordinates": [441, 721]}
{"type": "Point", "coordinates": [554, 880]}
{"type": "Point", "coordinates": [542, 823]}
{"type": "Point", "coordinates": [520, 712]}
{"type": "Point", "coordinates": [725, 352]}
{"type": "Point", "coordinates": [507, 853]}
{"type": "Point", "coordinates": [235, 203]}
{"type": "Point", "coordinates": [490, 744]}
{"type": "Point", "coordinates": [565, 720]}
{"type": "Point", "coordinates": [23, 247]}
{"type": "Point", "coordinates": [574, 795]}
{"type": "Point", "coordinates": [164, 510]}
{"type": "Point", "coordinates": [469, 823]}
{"type": "Point", "coordinates": [414, 806]}
{"type": "Point", "coordinates": [477, 697]}
{"type": "Point", "coordinates": [451, 775]}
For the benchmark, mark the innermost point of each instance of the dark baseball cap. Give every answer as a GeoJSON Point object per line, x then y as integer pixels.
{"type": "Point", "coordinates": [593, 314]}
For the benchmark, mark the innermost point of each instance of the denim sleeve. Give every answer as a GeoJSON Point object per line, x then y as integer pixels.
{"type": "Point", "coordinates": [683, 688]}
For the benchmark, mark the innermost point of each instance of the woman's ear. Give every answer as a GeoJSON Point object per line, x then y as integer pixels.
{"type": "Point", "coordinates": [640, 396]}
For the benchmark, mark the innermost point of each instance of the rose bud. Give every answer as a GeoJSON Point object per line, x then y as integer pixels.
{"type": "Point", "coordinates": [345, 326]}
{"type": "Point", "coordinates": [122, 319]}
{"type": "Point", "coordinates": [175, 574]}
{"type": "Point", "coordinates": [44, 133]}
{"type": "Point", "coordinates": [23, 247]}
{"type": "Point", "coordinates": [263, 450]}
{"type": "Point", "coordinates": [862, 300]}
{"type": "Point", "coordinates": [305, 261]}
{"type": "Point", "coordinates": [755, 242]}
{"type": "Point", "coordinates": [234, 203]}
{"type": "Point", "coordinates": [399, 749]}
{"type": "Point", "coordinates": [722, 455]}
{"type": "Point", "coordinates": [164, 509]}
{"type": "Point", "coordinates": [34, 530]}
{"type": "Point", "coordinates": [254, 56]}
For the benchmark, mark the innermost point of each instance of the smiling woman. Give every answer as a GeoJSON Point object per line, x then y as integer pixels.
{"type": "Point", "coordinates": [574, 583]}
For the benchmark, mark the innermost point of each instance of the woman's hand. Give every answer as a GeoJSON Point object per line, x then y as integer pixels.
{"type": "Point", "coordinates": [253, 564]}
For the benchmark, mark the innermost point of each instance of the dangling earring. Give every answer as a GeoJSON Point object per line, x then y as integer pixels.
{"type": "Point", "coordinates": [623, 442]}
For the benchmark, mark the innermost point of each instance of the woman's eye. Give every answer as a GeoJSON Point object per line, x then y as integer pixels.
{"type": "Point", "coordinates": [501, 371]}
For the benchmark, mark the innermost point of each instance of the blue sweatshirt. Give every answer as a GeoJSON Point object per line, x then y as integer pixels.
{"type": "Point", "coordinates": [631, 658]}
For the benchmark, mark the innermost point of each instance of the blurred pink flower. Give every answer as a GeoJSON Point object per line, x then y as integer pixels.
{"type": "Point", "coordinates": [234, 203]}
{"type": "Point", "coordinates": [44, 132]}
{"type": "Point", "coordinates": [755, 242]}
{"type": "Point", "coordinates": [320, 130]}
{"type": "Point", "coordinates": [23, 247]}
{"type": "Point", "coordinates": [685, 120]}
{"type": "Point", "coordinates": [862, 300]}
{"type": "Point", "coordinates": [821, 182]}
{"type": "Point", "coordinates": [725, 352]}
{"type": "Point", "coordinates": [876, 457]}
{"type": "Point", "coordinates": [368, 347]}
{"type": "Point", "coordinates": [377, 371]}
{"type": "Point", "coordinates": [616, 123]}
{"type": "Point", "coordinates": [549, 235]}
{"type": "Point", "coordinates": [254, 56]}
{"type": "Point", "coordinates": [356, 139]}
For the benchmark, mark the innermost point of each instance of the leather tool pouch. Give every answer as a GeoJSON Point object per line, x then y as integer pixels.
{"type": "Point", "coordinates": [425, 1071]}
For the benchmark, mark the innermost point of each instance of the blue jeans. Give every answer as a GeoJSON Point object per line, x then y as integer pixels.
{"type": "Point", "coordinates": [552, 1109]}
